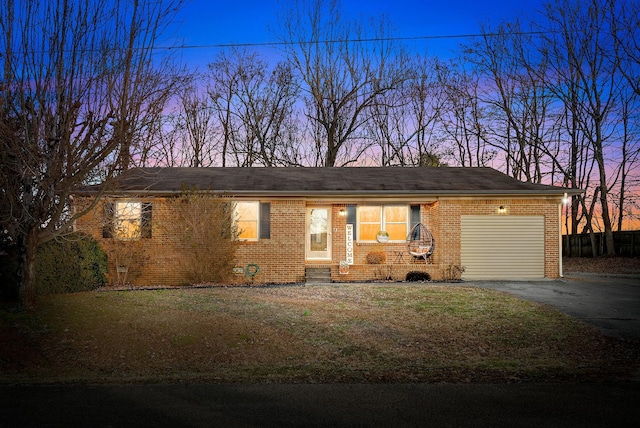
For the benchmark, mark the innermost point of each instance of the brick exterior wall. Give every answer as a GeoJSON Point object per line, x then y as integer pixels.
{"type": "Point", "coordinates": [282, 257]}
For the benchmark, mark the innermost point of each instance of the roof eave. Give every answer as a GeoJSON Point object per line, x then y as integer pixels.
{"type": "Point", "coordinates": [349, 194]}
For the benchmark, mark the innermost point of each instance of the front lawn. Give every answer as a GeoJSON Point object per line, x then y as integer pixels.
{"type": "Point", "coordinates": [313, 334]}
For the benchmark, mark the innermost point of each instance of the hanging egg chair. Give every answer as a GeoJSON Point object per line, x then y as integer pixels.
{"type": "Point", "coordinates": [420, 242]}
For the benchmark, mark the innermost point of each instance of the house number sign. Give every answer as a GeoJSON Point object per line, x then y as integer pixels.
{"type": "Point", "coordinates": [349, 244]}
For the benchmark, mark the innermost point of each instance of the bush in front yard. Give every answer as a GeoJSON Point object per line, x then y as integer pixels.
{"type": "Point", "coordinates": [376, 257]}
{"type": "Point", "coordinates": [70, 264]}
{"type": "Point", "coordinates": [205, 228]}
{"type": "Point", "coordinates": [452, 273]}
{"type": "Point", "coordinates": [416, 276]}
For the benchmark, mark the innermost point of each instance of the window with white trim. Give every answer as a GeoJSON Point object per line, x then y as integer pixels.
{"type": "Point", "coordinates": [127, 219]}
{"type": "Point", "coordinates": [247, 220]}
{"type": "Point", "coordinates": [393, 219]}
{"type": "Point", "coordinates": [253, 220]}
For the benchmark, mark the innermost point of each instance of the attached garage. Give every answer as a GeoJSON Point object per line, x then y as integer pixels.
{"type": "Point", "coordinates": [502, 247]}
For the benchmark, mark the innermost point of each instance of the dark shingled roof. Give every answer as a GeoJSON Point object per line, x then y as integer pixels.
{"type": "Point", "coordinates": [382, 181]}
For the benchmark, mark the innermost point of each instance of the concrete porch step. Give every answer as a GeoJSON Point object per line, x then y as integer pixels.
{"type": "Point", "coordinates": [317, 275]}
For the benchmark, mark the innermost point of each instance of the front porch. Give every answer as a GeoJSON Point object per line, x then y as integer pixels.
{"type": "Point", "coordinates": [389, 271]}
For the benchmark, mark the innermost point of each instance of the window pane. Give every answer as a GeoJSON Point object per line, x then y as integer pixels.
{"type": "Point", "coordinates": [397, 231]}
{"type": "Point", "coordinates": [128, 217]}
{"type": "Point", "coordinates": [368, 232]}
{"type": "Point", "coordinates": [395, 219]}
{"type": "Point", "coordinates": [248, 229]}
{"type": "Point", "coordinates": [247, 219]}
{"type": "Point", "coordinates": [370, 222]}
{"type": "Point", "coordinates": [395, 214]}
{"type": "Point", "coordinates": [247, 211]}
{"type": "Point", "coordinates": [369, 214]}
{"type": "Point", "coordinates": [318, 242]}
{"type": "Point", "coordinates": [318, 229]}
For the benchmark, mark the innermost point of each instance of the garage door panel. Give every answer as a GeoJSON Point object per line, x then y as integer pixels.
{"type": "Point", "coordinates": [500, 247]}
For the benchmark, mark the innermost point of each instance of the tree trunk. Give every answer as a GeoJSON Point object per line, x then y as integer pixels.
{"type": "Point", "coordinates": [604, 192]}
{"type": "Point", "coordinates": [27, 270]}
{"type": "Point", "coordinates": [595, 251]}
{"type": "Point", "coordinates": [608, 231]}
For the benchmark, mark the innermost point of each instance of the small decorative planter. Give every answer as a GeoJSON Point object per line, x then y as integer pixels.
{"type": "Point", "coordinates": [382, 237]}
{"type": "Point", "coordinates": [344, 267]}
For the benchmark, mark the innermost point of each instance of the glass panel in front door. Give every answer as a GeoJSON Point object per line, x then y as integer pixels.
{"type": "Point", "coordinates": [318, 236]}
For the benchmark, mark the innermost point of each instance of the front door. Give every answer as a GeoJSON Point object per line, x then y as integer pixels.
{"type": "Point", "coordinates": [318, 241]}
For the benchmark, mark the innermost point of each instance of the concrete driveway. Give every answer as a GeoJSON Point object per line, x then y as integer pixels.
{"type": "Point", "coordinates": [609, 302]}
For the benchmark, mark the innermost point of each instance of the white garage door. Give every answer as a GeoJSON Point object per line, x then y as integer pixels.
{"type": "Point", "coordinates": [502, 247]}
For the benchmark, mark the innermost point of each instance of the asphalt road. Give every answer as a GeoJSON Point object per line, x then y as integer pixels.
{"type": "Point", "coordinates": [609, 303]}
{"type": "Point", "coordinates": [524, 405]}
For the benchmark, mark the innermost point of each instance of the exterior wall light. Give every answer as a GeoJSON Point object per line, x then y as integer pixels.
{"type": "Point", "coordinates": [342, 212]}
{"type": "Point", "coordinates": [502, 209]}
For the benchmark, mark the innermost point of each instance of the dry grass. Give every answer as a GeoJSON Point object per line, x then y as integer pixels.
{"type": "Point", "coordinates": [608, 265]}
{"type": "Point", "coordinates": [354, 333]}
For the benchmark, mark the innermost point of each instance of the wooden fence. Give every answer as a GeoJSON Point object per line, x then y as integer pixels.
{"type": "Point", "coordinates": [627, 243]}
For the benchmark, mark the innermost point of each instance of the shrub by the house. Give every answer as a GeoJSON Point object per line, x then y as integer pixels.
{"type": "Point", "coordinates": [417, 276]}
{"type": "Point", "coordinates": [453, 273]}
{"type": "Point", "coordinates": [70, 264]}
{"type": "Point", "coordinates": [206, 231]}
{"type": "Point", "coordinates": [376, 257]}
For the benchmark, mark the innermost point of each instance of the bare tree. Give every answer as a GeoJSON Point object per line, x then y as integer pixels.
{"type": "Point", "coordinates": [516, 98]}
{"type": "Point", "coordinates": [625, 23]}
{"type": "Point", "coordinates": [254, 104]}
{"type": "Point", "coordinates": [583, 44]}
{"type": "Point", "coordinates": [78, 83]}
{"type": "Point", "coordinates": [344, 70]}
{"type": "Point", "coordinates": [463, 118]}
{"type": "Point", "coordinates": [222, 84]}
{"type": "Point", "coordinates": [163, 146]}
{"type": "Point", "coordinates": [630, 156]}
{"type": "Point", "coordinates": [195, 124]}
{"type": "Point", "coordinates": [558, 106]}
{"type": "Point", "coordinates": [404, 120]}
{"type": "Point", "coordinates": [625, 26]}
{"type": "Point", "coordinates": [266, 99]}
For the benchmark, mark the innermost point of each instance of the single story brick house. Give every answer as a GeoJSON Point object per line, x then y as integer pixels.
{"type": "Point", "coordinates": [295, 221]}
